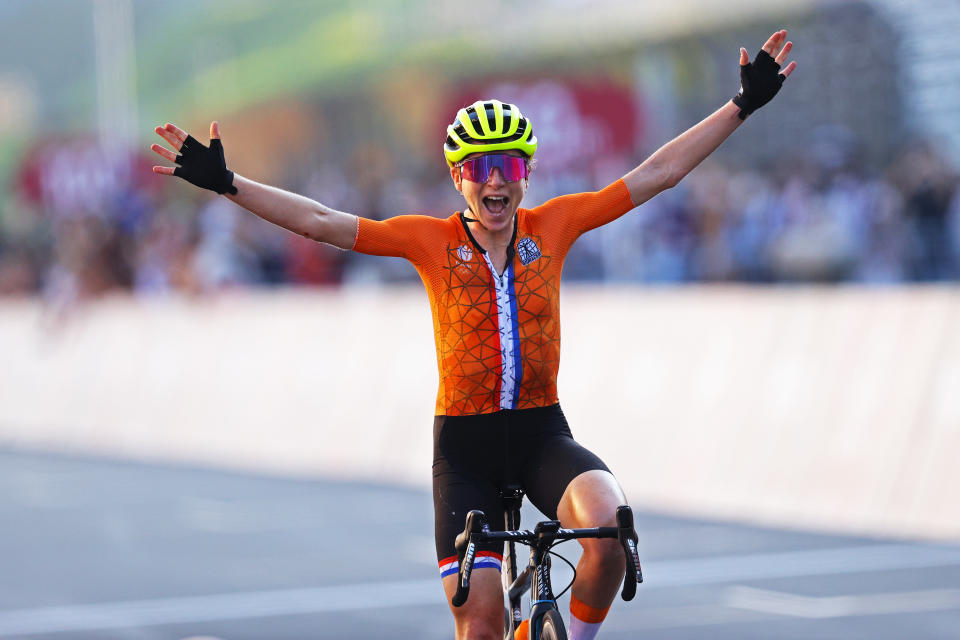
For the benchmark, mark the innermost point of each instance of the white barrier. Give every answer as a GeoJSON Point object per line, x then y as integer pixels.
{"type": "Point", "coordinates": [835, 409]}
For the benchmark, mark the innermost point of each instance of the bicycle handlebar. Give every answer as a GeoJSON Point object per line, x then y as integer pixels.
{"type": "Point", "coordinates": [477, 530]}
{"type": "Point", "coordinates": [627, 536]}
{"type": "Point", "coordinates": [466, 548]}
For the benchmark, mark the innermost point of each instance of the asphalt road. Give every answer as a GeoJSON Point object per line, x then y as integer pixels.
{"type": "Point", "coordinates": [100, 549]}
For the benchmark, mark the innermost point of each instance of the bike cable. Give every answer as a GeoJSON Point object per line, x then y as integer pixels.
{"type": "Point", "coordinates": [554, 553]}
{"type": "Point", "coordinates": [569, 564]}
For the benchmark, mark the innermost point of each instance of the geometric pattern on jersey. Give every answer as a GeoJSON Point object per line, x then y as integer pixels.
{"type": "Point", "coordinates": [497, 335]}
{"type": "Point", "coordinates": [469, 333]}
{"type": "Point", "coordinates": [538, 303]}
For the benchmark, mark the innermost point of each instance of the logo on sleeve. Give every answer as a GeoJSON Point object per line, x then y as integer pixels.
{"type": "Point", "coordinates": [528, 251]}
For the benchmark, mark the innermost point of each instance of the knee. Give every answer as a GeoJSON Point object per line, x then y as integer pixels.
{"type": "Point", "coordinates": [479, 628]}
{"type": "Point", "coordinates": [605, 554]}
{"type": "Point", "coordinates": [481, 616]}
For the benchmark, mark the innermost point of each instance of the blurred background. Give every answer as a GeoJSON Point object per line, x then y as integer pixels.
{"type": "Point", "coordinates": [773, 342]}
{"type": "Point", "coordinates": [849, 177]}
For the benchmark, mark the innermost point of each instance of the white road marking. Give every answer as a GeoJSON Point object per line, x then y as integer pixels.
{"type": "Point", "coordinates": [798, 606]}
{"type": "Point", "coordinates": [808, 562]}
{"type": "Point", "coordinates": [227, 606]}
{"type": "Point", "coordinates": [633, 619]}
{"type": "Point", "coordinates": [662, 574]}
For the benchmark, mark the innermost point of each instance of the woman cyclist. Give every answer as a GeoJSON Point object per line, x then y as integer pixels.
{"type": "Point", "coordinates": [492, 273]}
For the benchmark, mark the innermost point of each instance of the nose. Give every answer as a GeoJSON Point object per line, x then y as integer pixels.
{"type": "Point", "coordinates": [496, 177]}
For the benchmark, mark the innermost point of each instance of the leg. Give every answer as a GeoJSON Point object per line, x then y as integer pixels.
{"type": "Point", "coordinates": [459, 485]}
{"type": "Point", "coordinates": [591, 500]}
{"type": "Point", "coordinates": [567, 481]}
{"type": "Point", "coordinates": [481, 616]}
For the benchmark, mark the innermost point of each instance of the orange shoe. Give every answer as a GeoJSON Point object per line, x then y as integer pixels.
{"type": "Point", "coordinates": [522, 632]}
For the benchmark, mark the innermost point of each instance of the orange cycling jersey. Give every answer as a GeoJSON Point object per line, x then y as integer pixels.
{"type": "Point", "coordinates": [497, 334]}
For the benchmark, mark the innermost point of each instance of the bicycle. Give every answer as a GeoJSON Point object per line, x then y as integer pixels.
{"type": "Point", "coordinates": [545, 619]}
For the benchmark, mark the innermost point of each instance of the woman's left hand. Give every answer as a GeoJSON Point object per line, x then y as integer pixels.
{"type": "Point", "coordinates": [761, 79]}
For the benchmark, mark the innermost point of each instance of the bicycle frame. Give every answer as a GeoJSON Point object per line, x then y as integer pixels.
{"type": "Point", "coordinates": [512, 500]}
{"type": "Point", "coordinates": [536, 575]}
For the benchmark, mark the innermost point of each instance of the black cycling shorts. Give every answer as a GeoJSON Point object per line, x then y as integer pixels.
{"type": "Point", "coordinates": [474, 457]}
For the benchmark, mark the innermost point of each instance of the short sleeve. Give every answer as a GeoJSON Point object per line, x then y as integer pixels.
{"type": "Point", "coordinates": [570, 216]}
{"type": "Point", "coordinates": [402, 237]}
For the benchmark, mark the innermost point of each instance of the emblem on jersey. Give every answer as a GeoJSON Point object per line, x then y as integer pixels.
{"type": "Point", "coordinates": [528, 251]}
{"type": "Point", "coordinates": [465, 253]}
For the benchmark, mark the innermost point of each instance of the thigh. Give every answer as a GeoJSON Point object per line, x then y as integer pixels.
{"type": "Point", "coordinates": [554, 461]}
{"type": "Point", "coordinates": [464, 479]}
{"type": "Point", "coordinates": [455, 494]}
{"type": "Point", "coordinates": [591, 500]}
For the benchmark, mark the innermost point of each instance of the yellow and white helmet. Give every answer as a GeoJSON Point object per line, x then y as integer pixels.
{"type": "Point", "coordinates": [488, 125]}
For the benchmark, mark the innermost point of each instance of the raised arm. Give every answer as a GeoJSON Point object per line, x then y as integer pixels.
{"type": "Point", "coordinates": [760, 81]}
{"type": "Point", "coordinates": [205, 167]}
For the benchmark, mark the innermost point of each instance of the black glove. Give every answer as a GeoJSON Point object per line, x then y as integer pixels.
{"type": "Point", "coordinates": [204, 166]}
{"type": "Point", "coordinates": [760, 80]}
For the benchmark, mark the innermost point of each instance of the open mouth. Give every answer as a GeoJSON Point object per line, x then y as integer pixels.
{"type": "Point", "coordinates": [495, 204]}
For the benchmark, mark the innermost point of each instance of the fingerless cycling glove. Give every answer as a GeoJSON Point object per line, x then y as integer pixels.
{"type": "Point", "coordinates": [760, 80]}
{"type": "Point", "coordinates": [204, 166]}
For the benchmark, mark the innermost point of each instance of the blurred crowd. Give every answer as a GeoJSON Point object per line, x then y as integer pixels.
{"type": "Point", "coordinates": [819, 216]}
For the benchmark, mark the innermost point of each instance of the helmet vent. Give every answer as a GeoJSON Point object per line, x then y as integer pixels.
{"type": "Point", "coordinates": [474, 118]}
{"type": "Point", "coordinates": [507, 119]}
{"type": "Point", "coordinates": [491, 115]}
{"type": "Point", "coordinates": [520, 132]}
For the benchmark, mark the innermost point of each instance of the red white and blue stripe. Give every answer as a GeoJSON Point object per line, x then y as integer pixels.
{"type": "Point", "coordinates": [505, 296]}
{"type": "Point", "coordinates": [482, 560]}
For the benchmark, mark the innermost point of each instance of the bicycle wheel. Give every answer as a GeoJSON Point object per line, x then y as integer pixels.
{"type": "Point", "coordinates": [551, 626]}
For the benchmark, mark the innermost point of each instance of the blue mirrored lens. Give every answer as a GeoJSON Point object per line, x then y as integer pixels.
{"type": "Point", "coordinates": [478, 169]}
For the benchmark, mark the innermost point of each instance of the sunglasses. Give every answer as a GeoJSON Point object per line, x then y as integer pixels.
{"type": "Point", "coordinates": [478, 169]}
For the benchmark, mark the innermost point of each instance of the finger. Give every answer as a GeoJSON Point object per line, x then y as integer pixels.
{"type": "Point", "coordinates": [164, 171]}
{"type": "Point", "coordinates": [214, 130]}
{"type": "Point", "coordinates": [177, 131]}
{"type": "Point", "coordinates": [771, 44]}
{"type": "Point", "coordinates": [175, 142]}
{"type": "Point", "coordinates": [744, 56]}
{"type": "Point", "coordinates": [166, 153]}
{"type": "Point", "coordinates": [783, 53]}
{"type": "Point", "coordinates": [790, 67]}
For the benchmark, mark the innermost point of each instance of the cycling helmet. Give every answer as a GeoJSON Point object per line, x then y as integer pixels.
{"type": "Point", "coordinates": [488, 125]}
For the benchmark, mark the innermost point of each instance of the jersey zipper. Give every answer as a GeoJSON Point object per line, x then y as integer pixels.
{"type": "Point", "coordinates": [511, 368]}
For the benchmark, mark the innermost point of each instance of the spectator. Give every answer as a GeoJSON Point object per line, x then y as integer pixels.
{"type": "Point", "coordinates": [819, 216]}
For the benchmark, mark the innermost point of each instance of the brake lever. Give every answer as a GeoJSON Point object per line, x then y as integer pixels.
{"type": "Point", "coordinates": [627, 536]}
{"type": "Point", "coordinates": [466, 552]}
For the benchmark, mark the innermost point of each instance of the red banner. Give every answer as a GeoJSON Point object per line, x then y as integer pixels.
{"type": "Point", "coordinates": [572, 119]}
